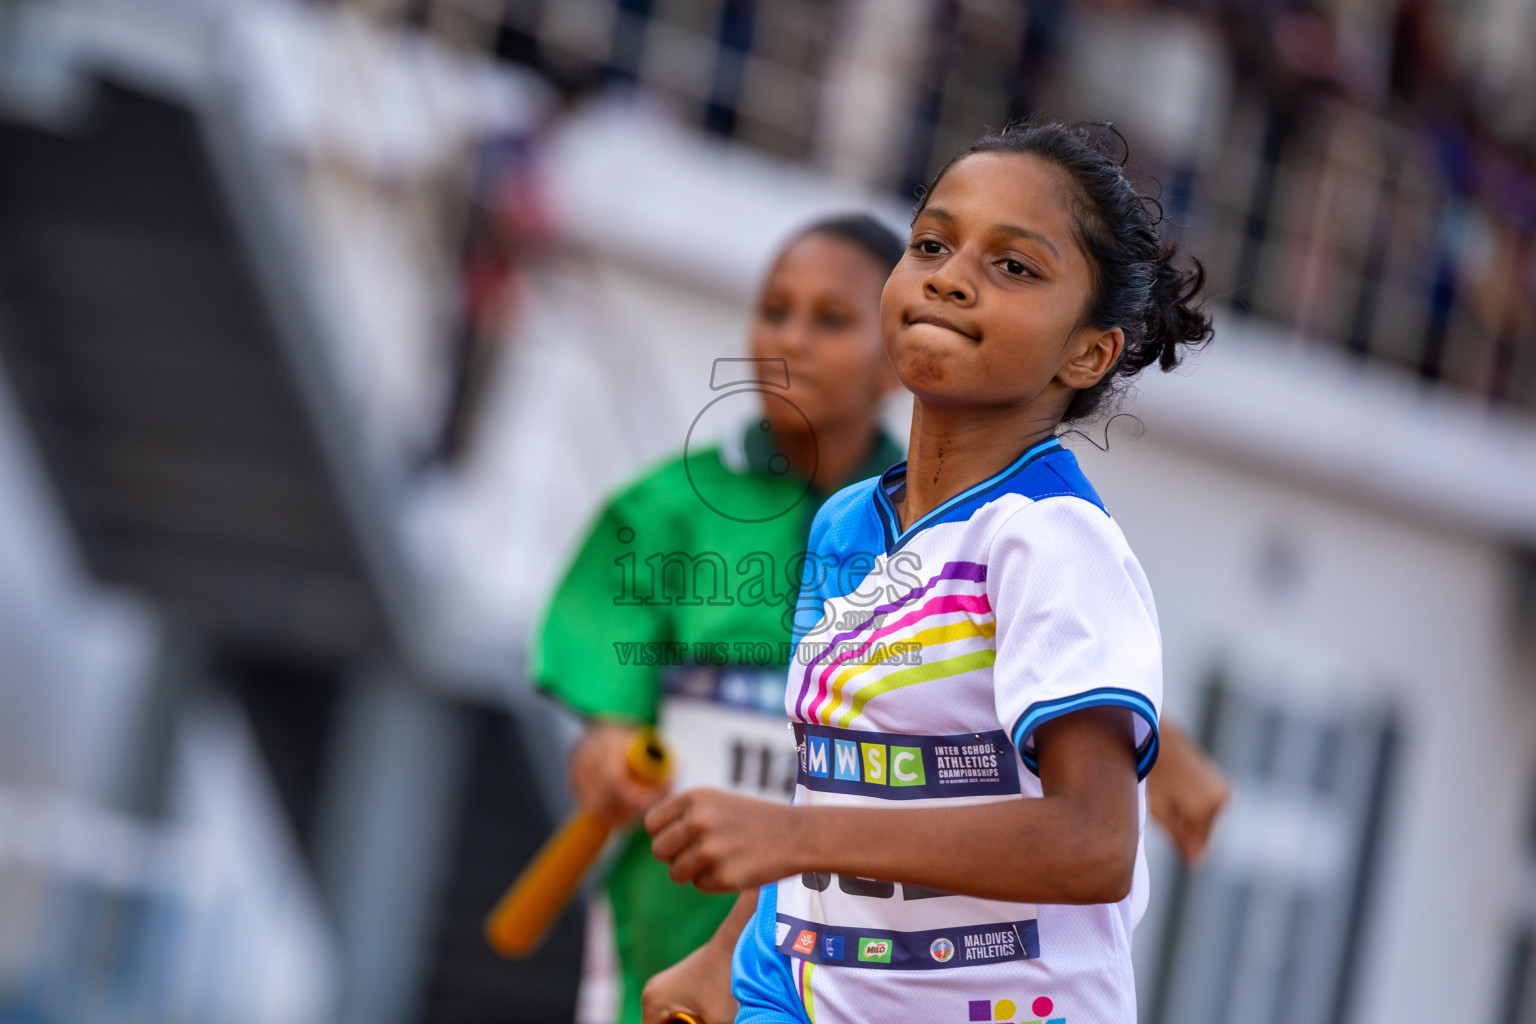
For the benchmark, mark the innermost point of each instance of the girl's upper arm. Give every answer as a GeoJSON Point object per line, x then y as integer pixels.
{"type": "Point", "coordinates": [1088, 758]}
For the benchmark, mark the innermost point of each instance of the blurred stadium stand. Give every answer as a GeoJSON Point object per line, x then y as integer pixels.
{"type": "Point", "coordinates": [1351, 175]}
{"type": "Point", "coordinates": [323, 327]}
{"type": "Point", "coordinates": [176, 381]}
{"type": "Point", "coordinates": [172, 416]}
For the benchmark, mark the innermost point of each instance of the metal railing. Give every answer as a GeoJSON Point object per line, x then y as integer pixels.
{"type": "Point", "coordinates": [1406, 242]}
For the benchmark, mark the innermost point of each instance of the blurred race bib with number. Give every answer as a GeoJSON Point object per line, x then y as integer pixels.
{"type": "Point", "coordinates": [727, 729]}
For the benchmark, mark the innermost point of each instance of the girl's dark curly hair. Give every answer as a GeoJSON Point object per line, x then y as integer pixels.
{"type": "Point", "coordinates": [1140, 283]}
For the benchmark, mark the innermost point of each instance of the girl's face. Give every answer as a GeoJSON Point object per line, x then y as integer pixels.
{"type": "Point", "coordinates": [987, 306]}
{"type": "Point", "coordinates": [820, 312]}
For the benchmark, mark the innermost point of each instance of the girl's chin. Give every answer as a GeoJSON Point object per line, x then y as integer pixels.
{"type": "Point", "coordinates": [940, 389]}
{"type": "Point", "coordinates": [923, 371]}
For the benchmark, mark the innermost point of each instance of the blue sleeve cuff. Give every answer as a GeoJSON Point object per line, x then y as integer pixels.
{"type": "Point", "coordinates": [1044, 711]}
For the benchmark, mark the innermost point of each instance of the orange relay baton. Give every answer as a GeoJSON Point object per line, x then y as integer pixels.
{"type": "Point", "coordinates": [532, 903]}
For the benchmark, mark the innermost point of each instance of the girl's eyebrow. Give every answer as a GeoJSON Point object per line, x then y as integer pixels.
{"type": "Point", "coordinates": [1014, 229]}
{"type": "Point", "coordinates": [1007, 229]}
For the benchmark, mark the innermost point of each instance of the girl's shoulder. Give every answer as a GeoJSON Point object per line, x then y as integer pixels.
{"type": "Point", "coordinates": [847, 501]}
{"type": "Point", "coordinates": [1053, 508]}
{"type": "Point", "coordinates": [663, 480]}
{"type": "Point", "coordinates": [1058, 475]}
{"type": "Point", "coordinates": [846, 520]}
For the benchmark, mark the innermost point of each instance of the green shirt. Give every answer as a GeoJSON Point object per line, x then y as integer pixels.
{"type": "Point", "coordinates": [698, 560]}
{"type": "Point", "coordinates": [665, 578]}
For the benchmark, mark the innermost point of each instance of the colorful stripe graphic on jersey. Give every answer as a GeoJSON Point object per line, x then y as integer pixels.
{"type": "Point", "coordinates": [926, 647]}
{"type": "Point", "coordinates": [952, 605]}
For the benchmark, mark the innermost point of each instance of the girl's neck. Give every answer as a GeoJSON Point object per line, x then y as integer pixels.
{"type": "Point", "coordinates": [954, 448]}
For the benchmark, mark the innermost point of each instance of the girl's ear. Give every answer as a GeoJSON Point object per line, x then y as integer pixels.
{"type": "Point", "coordinates": [1094, 354]}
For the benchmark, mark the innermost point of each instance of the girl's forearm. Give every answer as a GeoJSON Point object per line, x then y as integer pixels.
{"type": "Point", "coordinates": [1047, 850]}
{"type": "Point", "coordinates": [1075, 844]}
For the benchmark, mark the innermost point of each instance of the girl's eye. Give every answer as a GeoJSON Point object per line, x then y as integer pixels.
{"type": "Point", "coordinates": [833, 321]}
{"type": "Point", "coordinates": [1015, 268]}
{"type": "Point", "coordinates": [928, 246]}
{"type": "Point", "coordinates": [774, 314]}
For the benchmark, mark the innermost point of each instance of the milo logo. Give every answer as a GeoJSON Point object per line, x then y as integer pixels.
{"type": "Point", "coordinates": [875, 950]}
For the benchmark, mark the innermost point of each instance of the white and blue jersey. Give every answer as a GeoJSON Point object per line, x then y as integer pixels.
{"type": "Point", "coordinates": [925, 661]}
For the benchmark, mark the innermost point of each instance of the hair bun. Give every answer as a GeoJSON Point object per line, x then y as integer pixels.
{"type": "Point", "coordinates": [1175, 317]}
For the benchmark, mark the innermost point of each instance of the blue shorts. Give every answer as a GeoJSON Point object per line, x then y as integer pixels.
{"type": "Point", "coordinates": [764, 981]}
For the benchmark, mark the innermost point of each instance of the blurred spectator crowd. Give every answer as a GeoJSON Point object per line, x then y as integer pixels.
{"type": "Point", "coordinates": [1360, 173]}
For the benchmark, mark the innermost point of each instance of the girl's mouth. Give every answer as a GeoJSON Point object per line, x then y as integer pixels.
{"type": "Point", "coordinates": [935, 320]}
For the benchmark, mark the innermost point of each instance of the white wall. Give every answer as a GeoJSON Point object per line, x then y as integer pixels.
{"type": "Point", "coordinates": [1380, 609]}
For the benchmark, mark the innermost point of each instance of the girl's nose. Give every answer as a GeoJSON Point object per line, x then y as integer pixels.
{"type": "Point", "coordinates": [949, 282]}
{"type": "Point", "coordinates": [794, 336]}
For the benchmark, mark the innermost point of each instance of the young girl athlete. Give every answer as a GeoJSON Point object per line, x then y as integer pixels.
{"type": "Point", "coordinates": [965, 842]}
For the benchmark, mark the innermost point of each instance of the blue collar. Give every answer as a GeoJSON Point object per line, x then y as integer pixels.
{"type": "Point", "coordinates": [895, 478]}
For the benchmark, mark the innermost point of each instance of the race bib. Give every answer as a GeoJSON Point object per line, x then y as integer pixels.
{"type": "Point", "coordinates": [727, 730]}
{"type": "Point", "coordinates": [828, 918]}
